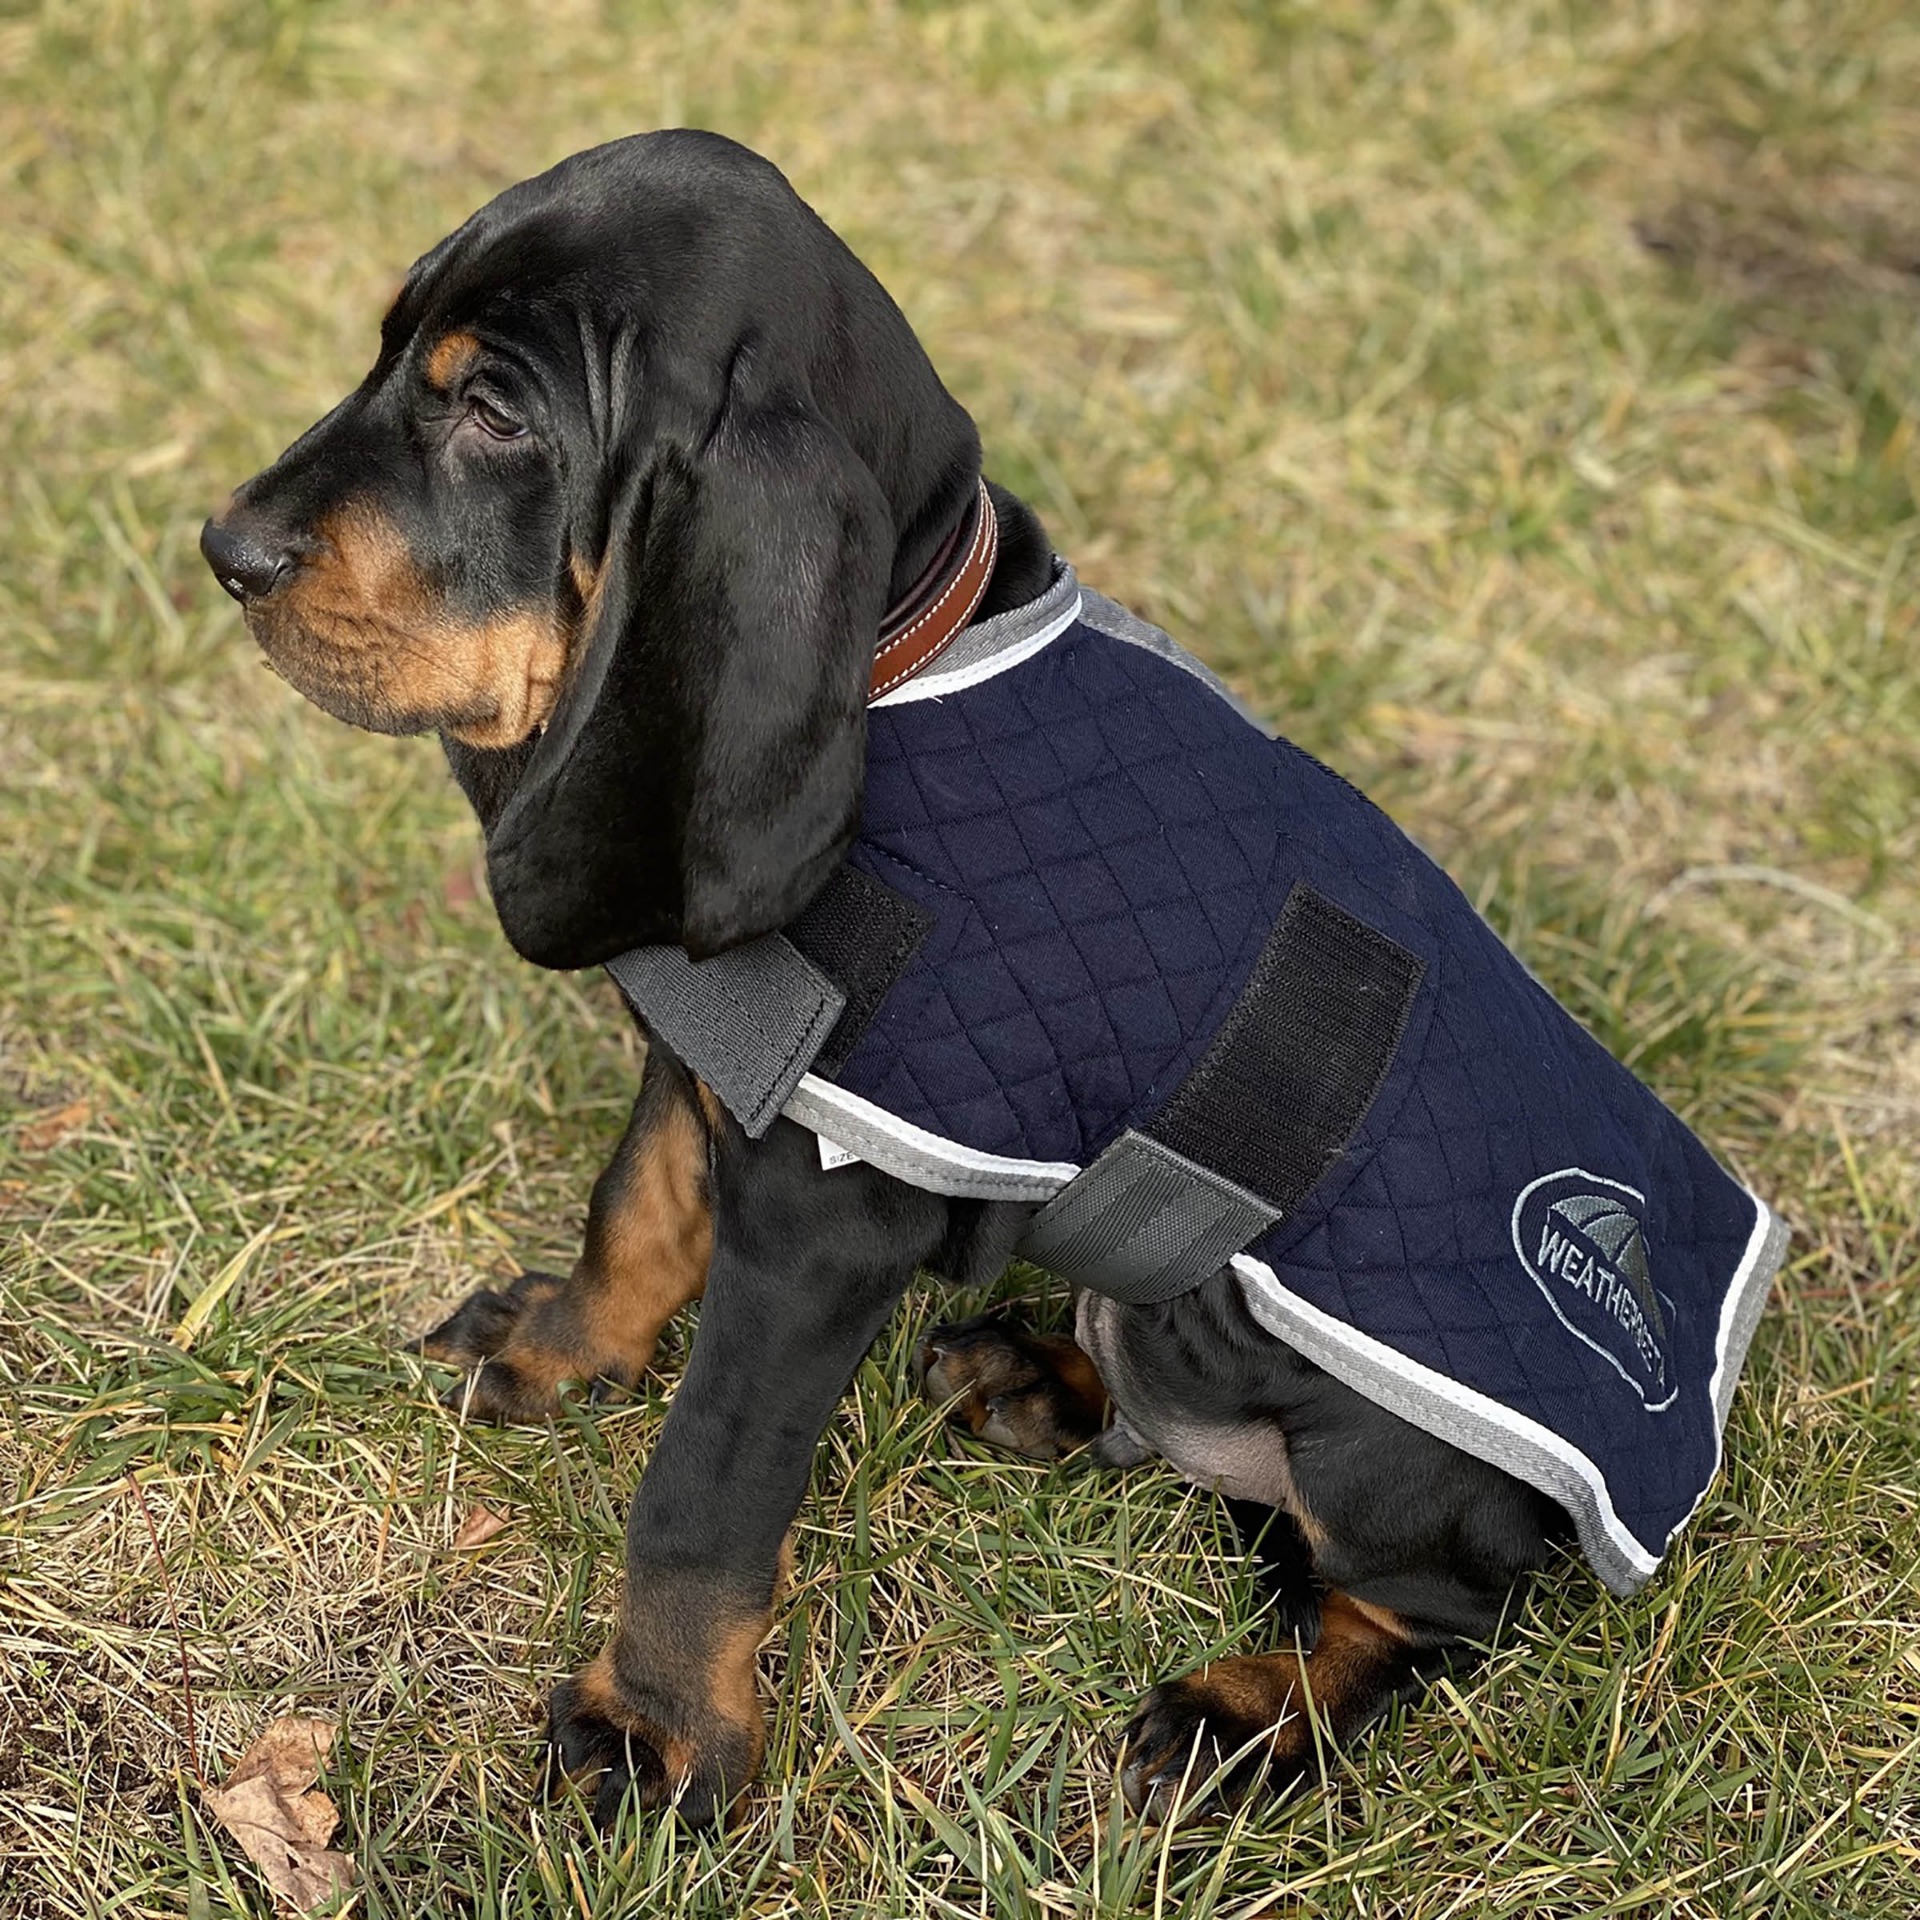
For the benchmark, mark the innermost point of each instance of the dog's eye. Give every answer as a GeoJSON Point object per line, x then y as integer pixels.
{"type": "Point", "coordinates": [491, 421]}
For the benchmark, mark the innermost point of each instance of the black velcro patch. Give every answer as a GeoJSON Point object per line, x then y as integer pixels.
{"type": "Point", "coordinates": [860, 934]}
{"type": "Point", "coordinates": [1290, 1075]}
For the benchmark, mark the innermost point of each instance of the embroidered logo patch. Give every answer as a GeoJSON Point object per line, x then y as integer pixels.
{"type": "Point", "coordinates": [1584, 1241]}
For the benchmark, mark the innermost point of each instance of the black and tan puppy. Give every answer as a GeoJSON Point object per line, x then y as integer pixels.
{"type": "Point", "coordinates": [646, 464]}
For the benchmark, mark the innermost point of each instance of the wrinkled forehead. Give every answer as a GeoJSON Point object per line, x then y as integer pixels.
{"type": "Point", "coordinates": [490, 271]}
{"type": "Point", "coordinates": [598, 241]}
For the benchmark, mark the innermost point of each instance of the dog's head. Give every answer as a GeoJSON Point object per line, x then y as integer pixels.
{"type": "Point", "coordinates": [644, 458]}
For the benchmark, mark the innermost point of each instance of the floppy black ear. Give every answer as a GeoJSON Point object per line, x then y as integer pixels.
{"type": "Point", "coordinates": [701, 776]}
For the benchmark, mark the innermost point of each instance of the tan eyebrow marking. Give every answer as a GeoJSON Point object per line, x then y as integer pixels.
{"type": "Point", "coordinates": [452, 354]}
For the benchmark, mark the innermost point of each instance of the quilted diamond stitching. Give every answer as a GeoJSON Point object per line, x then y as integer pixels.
{"type": "Point", "coordinates": [1132, 848]}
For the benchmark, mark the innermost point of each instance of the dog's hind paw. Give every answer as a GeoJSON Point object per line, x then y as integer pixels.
{"type": "Point", "coordinates": [1197, 1747]}
{"type": "Point", "coordinates": [1268, 1721]}
{"type": "Point", "coordinates": [1035, 1394]}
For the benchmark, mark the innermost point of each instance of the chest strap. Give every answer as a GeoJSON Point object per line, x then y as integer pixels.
{"type": "Point", "coordinates": [750, 1022]}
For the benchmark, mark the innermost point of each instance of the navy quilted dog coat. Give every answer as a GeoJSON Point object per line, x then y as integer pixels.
{"type": "Point", "coordinates": [1106, 946]}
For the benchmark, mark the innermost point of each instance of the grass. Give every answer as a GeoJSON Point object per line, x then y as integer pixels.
{"type": "Point", "coordinates": [1515, 400]}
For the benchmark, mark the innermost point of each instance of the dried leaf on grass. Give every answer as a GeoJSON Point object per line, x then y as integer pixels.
{"type": "Point", "coordinates": [49, 1129]}
{"type": "Point", "coordinates": [281, 1820]}
{"type": "Point", "coordinates": [479, 1527]}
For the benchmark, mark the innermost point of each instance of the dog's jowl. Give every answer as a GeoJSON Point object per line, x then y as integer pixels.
{"type": "Point", "coordinates": [968, 916]}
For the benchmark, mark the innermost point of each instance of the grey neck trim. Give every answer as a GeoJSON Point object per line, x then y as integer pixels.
{"type": "Point", "coordinates": [989, 646]}
{"type": "Point", "coordinates": [1120, 623]}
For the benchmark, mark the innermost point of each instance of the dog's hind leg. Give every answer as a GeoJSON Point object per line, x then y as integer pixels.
{"type": "Point", "coordinates": [1398, 1557]}
{"type": "Point", "coordinates": [1205, 1741]}
{"type": "Point", "coordinates": [648, 1242]}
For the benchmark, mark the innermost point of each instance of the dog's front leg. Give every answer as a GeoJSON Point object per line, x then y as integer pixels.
{"type": "Point", "coordinates": [806, 1268]}
{"type": "Point", "coordinates": [648, 1241]}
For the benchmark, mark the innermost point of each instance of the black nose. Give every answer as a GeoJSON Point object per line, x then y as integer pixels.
{"type": "Point", "coordinates": [248, 567]}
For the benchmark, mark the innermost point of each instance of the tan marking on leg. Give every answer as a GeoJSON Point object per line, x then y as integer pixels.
{"type": "Point", "coordinates": [734, 1679]}
{"type": "Point", "coordinates": [1355, 1639]}
{"type": "Point", "coordinates": [1078, 1374]}
{"type": "Point", "coordinates": [1383, 1620]}
{"type": "Point", "coordinates": [598, 1691]}
{"type": "Point", "coordinates": [539, 1372]}
{"type": "Point", "coordinates": [1276, 1706]}
{"type": "Point", "coordinates": [649, 1240]}
{"type": "Point", "coordinates": [1293, 1503]}
{"type": "Point", "coordinates": [1255, 1687]}
{"type": "Point", "coordinates": [680, 1676]}
{"type": "Point", "coordinates": [1036, 1394]}
{"type": "Point", "coordinates": [711, 1105]}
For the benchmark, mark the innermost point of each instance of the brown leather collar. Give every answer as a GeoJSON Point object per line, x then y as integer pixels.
{"type": "Point", "coordinates": [920, 626]}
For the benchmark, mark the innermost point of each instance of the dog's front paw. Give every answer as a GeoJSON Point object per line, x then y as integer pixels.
{"type": "Point", "coordinates": [527, 1343]}
{"type": "Point", "coordinates": [1035, 1394]}
{"type": "Point", "coordinates": [692, 1748]}
{"type": "Point", "coordinates": [1200, 1745]}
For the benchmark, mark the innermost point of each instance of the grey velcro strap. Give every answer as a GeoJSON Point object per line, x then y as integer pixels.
{"type": "Point", "coordinates": [1144, 1223]}
{"type": "Point", "coordinates": [748, 1021]}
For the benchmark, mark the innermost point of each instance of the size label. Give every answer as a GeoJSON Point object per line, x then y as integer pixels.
{"type": "Point", "coordinates": [832, 1156]}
